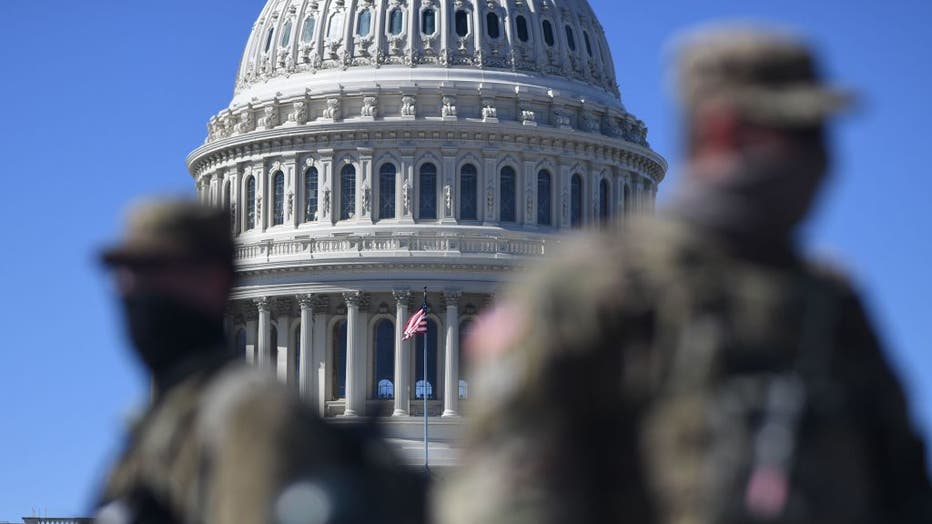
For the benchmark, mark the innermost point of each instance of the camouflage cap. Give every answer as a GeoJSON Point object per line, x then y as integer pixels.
{"type": "Point", "coordinates": [770, 77]}
{"type": "Point", "coordinates": [171, 231]}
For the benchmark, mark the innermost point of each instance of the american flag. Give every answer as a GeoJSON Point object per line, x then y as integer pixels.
{"type": "Point", "coordinates": [416, 324]}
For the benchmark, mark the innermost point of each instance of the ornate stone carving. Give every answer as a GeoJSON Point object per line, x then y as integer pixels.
{"type": "Point", "coordinates": [366, 191]}
{"type": "Point", "coordinates": [325, 207]}
{"type": "Point", "coordinates": [298, 113]}
{"type": "Point", "coordinates": [528, 117]}
{"type": "Point", "coordinates": [291, 203]}
{"type": "Point", "coordinates": [408, 107]}
{"type": "Point", "coordinates": [263, 304]}
{"type": "Point", "coordinates": [561, 118]}
{"type": "Point", "coordinates": [448, 109]}
{"type": "Point", "coordinates": [332, 111]}
{"type": "Point", "coordinates": [451, 297]}
{"type": "Point", "coordinates": [369, 107]}
{"type": "Point", "coordinates": [270, 116]}
{"type": "Point", "coordinates": [406, 197]}
{"type": "Point", "coordinates": [352, 298]}
{"type": "Point", "coordinates": [307, 301]}
{"type": "Point", "coordinates": [489, 112]}
{"type": "Point", "coordinates": [448, 200]}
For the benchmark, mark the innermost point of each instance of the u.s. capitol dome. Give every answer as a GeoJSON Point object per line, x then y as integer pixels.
{"type": "Point", "coordinates": [375, 147]}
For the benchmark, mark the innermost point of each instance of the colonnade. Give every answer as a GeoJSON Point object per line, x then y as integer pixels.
{"type": "Point", "coordinates": [295, 337]}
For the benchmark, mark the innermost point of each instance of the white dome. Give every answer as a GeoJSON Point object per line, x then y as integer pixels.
{"type": "Point", "coordinates": [548, 39]}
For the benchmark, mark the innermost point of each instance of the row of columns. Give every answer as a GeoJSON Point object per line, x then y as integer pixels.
{"type": "Point", "coordinates": [259, 341]}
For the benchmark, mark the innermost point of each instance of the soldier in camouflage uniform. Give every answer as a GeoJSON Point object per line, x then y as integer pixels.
{"type": "Point", "coordinates": [223, 442]}
{"type": "Point", "coordinates": [694, 369]}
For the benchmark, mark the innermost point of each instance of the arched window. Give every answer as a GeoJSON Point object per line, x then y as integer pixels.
{"type": "Point", "coordinates": [384, 350]}
{"type": "Point", "coordinates": [492, 26]}
{"type": "Point", "coordinates": [338, 360]}
{"type": "Point", "coordinates": [507, 194]}
{"type": "Point", "coordinates": [465, 365]}
{"type": "Point", "coordinates": [427, 203]}
{"type": "Point", "coordinates": [348, 192]}
{"type": "Point", "coordinates": [585, 36]}
{"type": "Point", "coordinates": [310, 194]}
{"type": "Point", "coordinates": [364, 23]}
{"type": "Point", "coordinates": [250, 203]}
{"type": "Point", "coordinates": [420, 388]}
{"type": "Point", "coordinates": [548, 32]}
{"type": "Point", "coordinates": [286, 34]}
{"type": "Point", "coordinates": [273, 350]}
{"type": "Point", "coordinates": [544, 198]}
{"type": "Point", "coordinates": [461, 21]}
{"type": "Point", "coordinates": [278, 198]}
{"type": "Point", "coordinates": [429, 21]}
{"type": "Point", "coordinates": [387, 190]}
{"type": "Point", "coordinates": [307, 32]}
{"type": "Point", "coordinates": [570, 38]}
{"type": "Point", "coordinates": [268, 39]}
{"type": "Point", "coordinates": [521, 26]}
{"type": "Point", "coordinates": [396, 22]}
{"type": "Point", "coordinates": [603, 201]}
{"type": "Point", "coordinates": [576, 202]}
{"type": "Point", "coordinates": [469, 185]}
{"type": "Point", "coordinates": [335, 31]}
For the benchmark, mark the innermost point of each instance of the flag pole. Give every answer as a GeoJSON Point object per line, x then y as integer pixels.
{"type": "Point", "coordinates": [424, 387]}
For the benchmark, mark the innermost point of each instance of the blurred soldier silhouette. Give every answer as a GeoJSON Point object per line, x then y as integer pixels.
{"type": "Point", "coordinates": [223, 442]}
{"type": "Point", "coordinates": [695, 369]}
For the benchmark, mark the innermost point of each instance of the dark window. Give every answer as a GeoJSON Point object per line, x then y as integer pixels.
{"type": "Point", "coordinates": [273, 350]}
{"type": "Point", "coordinates": [310, 194]}
{"type": "Point", "coordinates": [603, 200]}
{"type": "Point", "coordinates": [576, 201]}
{"type": "Point", "coordinates": [384, 359]}
{"type": "Point", "coordinates": [347, 192]}
{"type": "Point", "coordinates": [241, 343]}
{"type": "Point", "coordinates": [296, 355]}
{"type": "Point", "coordinates": [431, 335]}
{"type": "Point", "coordinates": [396, 22]}
{"type": "Point", "coordinates": [307, 32]}
{"type": "Point", "coordinates": [427, 205]}
{"type": "Point", "coordinates": [429, 22]}
{"type": "Point", "coordinates": [278, 199]}
{"type": "Point", "coordinates": [570, 38]}
{"type": "Point", "coordinates": [521, 25]}
{"type": "Point", "coordinates": [548, 33]}
{"type": "Point", "coordinates": [226, 194]}
{"type": "Point", "coordinates": [387, 191]}
{"type": "Point", "coordinates": [250, 203]}
{"type": "Point", "coordinates": [491, 25]}
{"type": "Point", "coordinates": [626, 199]}
{"type": "Point", "coordinates": [268, 39]}
{"type": "Point", "coordinates": [469, 185]}
{"type": "Point", "coordinates": [364, 24]}
{"type": "Point", "coordinates": [338, 371]}
{"type": "Point", "coordinates": [544, 198]}
{"type": "Point", "coordinates": [507, 195]}
{"type": "Point", "coordinates": [286, 34]}
{"type": "Point", "coordinates": [585, 36]}
{"type": "Point", "coordinates": [461, 20]}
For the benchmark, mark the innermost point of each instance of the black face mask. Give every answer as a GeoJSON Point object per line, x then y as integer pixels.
{"type": "Point", "coordinates": [165, 331]}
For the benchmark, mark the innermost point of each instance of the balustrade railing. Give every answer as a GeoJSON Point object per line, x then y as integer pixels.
{"type": "Point", "coordinates": [395, 245]}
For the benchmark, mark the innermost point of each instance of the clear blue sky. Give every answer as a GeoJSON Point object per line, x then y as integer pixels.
{"type": "Point", "coordinates": [102, 100]}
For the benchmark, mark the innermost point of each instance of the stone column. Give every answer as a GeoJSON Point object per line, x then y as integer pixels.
{"type": "Point", "coordinates": [307, 370]}
{"type": "Point", "coordinates": [451, 368]}
{"type": "Point", "coordinates": [264, 331]}
{"type": "Point", "coordinates": [355, 391]}
{"type": "Point", "coordinates": [402, 395]}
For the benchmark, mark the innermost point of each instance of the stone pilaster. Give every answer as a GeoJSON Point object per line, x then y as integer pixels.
{"type": "Point", "coordinates": [306, 368]}
{"type": "Point", "coordinates": [264, 331]}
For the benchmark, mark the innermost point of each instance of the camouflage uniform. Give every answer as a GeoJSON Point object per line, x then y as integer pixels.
{"type": "Point", "coordinates": [224, 443]}
{"type": "Point", "coordinates": [668, 373]}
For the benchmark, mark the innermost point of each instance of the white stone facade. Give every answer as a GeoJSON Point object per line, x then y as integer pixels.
{"type": "Point", "coordinates": [364, 158]}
